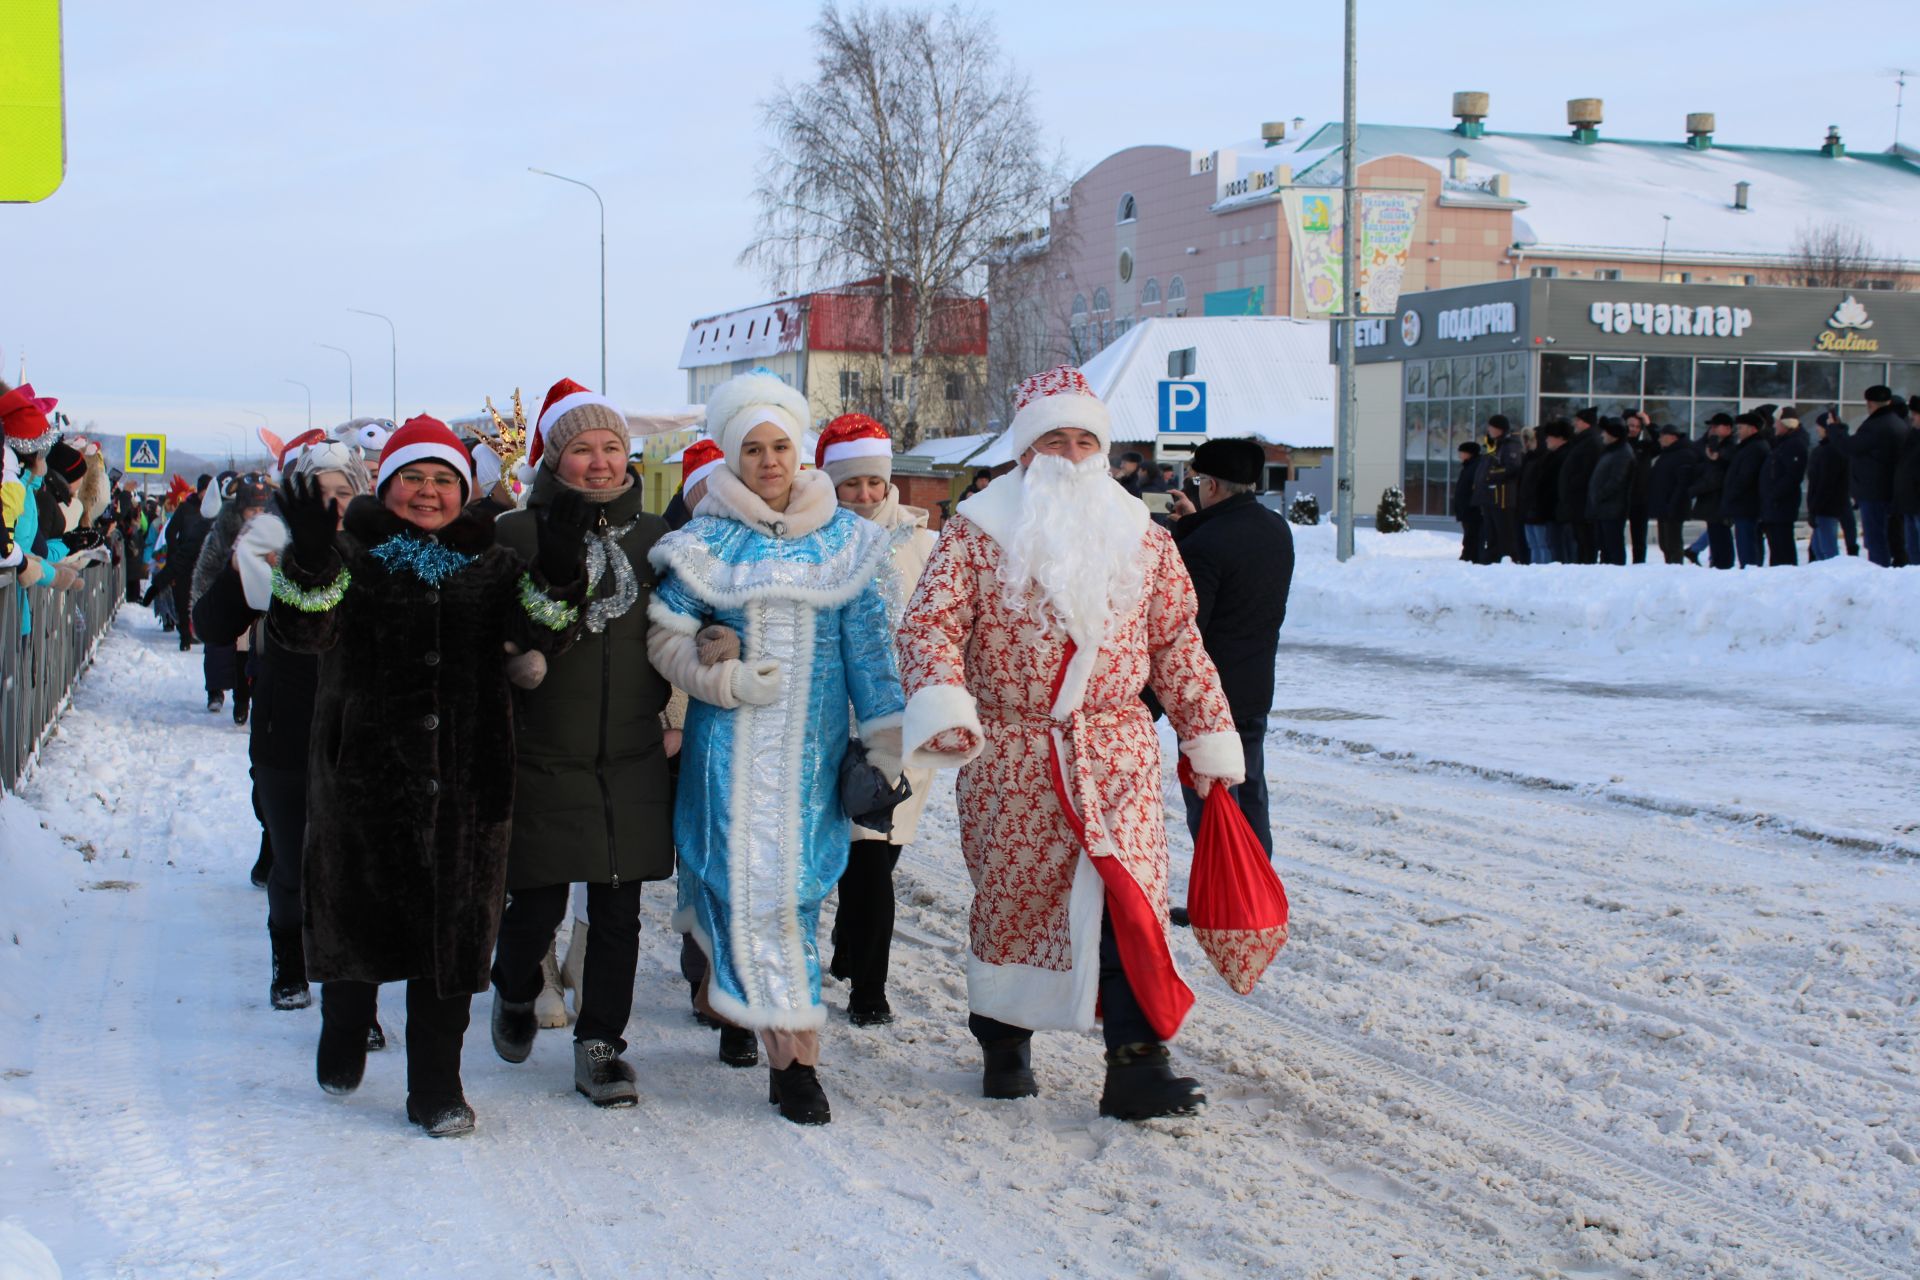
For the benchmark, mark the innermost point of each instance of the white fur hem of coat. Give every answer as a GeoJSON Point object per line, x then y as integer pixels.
{"type": "Point", "coordinates": [931, 711]}
{"type": "Point", "coordinates": [740, 1015]}
{"type": "Point", "coordinates": [1025, 995]}
{"type": "Point", "coordinates": [1217, 755]}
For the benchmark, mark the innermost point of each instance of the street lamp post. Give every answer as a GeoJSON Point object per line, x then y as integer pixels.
{"type": "Point", "coordinates": [603, 265]}
{"type": "Point", "coordinates": [349, 355]}
{"type": "Point", "coordinates": [1343, 513]}
{"type": "Point", "coordinates": [265, 422]}
{"type": "Point", "coordinates": [309, 390]}
{"type": "Point", "coordinates": [393, 349]}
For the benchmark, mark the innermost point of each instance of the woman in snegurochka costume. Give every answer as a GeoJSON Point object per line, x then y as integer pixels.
{"type": "Point", "coordinates": [416, 614]}
{"type": "Point", "coordinates": [758, 822]}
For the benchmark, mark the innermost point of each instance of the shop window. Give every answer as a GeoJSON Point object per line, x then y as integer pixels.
{"type": "Point", "coordinates": [1905, 379]}
{"type": "Point", "coordinates": [1486, 375]}
{"type": "Point", "coordinates": [1717, 378]}
{"type": "Point", "coordinates": [1817, 380]}
{"type": "Point", "coordinates": [1439, 380]}
{"type": "Point", "coordinates": [1416, 379]}
{"type": "Point", "coordinates": [1150, 292]}
{"type": "Point", "coordinates": [1129, 209]}
{"type": "Point", "coordinates": [1669, 376]}
{"type": "Point", "coordinates": [1857, 375]}
{"type": "Point", "coordinates": [1560, 408]}
{"type": "Point", "coordinates": [1462, 375]}
{"type": "Point", "coordinates": [1616, 376]}
{"type": "Point", "coordinates": [1767, 380]}
{"type": "Point", "coordinates": [1440, 459]}
{"type": "Point", "coordinates": [1703, 410]}
{"type": "Point", "coordinates": [1101, 302]}
{"type": "Point", "coordinates": [1564, 375]}
{"type": "Point", "coordinates": [1514, 405]}
{"type": "Point", "coordinates": [1664, 412]}
{"type": "Point", "coordinates": [1414, 462]}
{"type": "Point", "coordinates": [1513, 374]}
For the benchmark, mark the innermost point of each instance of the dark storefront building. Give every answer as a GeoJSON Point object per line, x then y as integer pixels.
{"type": "Point", "coordinates": [1538, 349]}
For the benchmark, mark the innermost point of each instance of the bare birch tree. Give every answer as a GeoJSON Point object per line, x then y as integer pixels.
{"type": "Point", "coordinates": [908, 155]}
{"type": "Point", "coordinates": [1833, 255]}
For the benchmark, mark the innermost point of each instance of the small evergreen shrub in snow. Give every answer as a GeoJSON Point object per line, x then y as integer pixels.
{"type": "Point", "coordinates": [1391, 515]}
{"type": "Point", "coordinates": [1305, 509]}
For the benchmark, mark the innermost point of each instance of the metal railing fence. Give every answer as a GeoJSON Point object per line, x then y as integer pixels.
{"type": "Point", "coordinates": [38, 670]}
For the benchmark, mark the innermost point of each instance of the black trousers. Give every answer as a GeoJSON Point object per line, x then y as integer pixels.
{"type": "Point", "coordinates": [1472, 534]}
{"type": "Point", "coordinates": [1122, 1021]}
{"type": "Point", "coordinates": [1500, 536]}
{"type": "Point", "coordinates": [280, 796]}
{"type": "Point", "coordinates": [613, 918]}
{"type": "Point", "coordinates": [863, 927]}
{"type": "Point", "coordinates": [1850, 529]}
{"type": "Point", "coordinates": [1637, 533]}
{"type": "Point", "coordinates": [1673, 542]}
{"type": "Point", "coordinates": [1586, 540]}
{"type": "Point", "coordinates": [1720, 544]}
{"type": "Point", "coordinates": [1779, 536]}
{"type": "Point", "coordinates": [1612, 540]}
{"type": "Point", "coordinates": [436, 1025]}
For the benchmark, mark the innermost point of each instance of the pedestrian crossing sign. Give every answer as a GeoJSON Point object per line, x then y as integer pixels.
{"type": "Point", "coordinates": [146, 455]}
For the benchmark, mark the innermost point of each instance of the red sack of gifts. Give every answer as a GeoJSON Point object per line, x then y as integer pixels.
{"type": "Point", "coordinates": [1235, 902]}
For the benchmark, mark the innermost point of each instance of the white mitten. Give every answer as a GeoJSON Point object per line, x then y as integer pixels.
{"type": "Point", "coordinates": [757, 683]}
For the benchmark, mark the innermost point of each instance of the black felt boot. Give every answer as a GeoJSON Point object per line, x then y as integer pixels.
{"type": "Point", "coordinates": [739, 1047]}
{"type": "Point", "coordinates": [289, 987]}
{"type": "Point", "coordinates": [341, 1060]}
{"type": "Point", "coordinates": [1141, 1085]}
{"type": "Point", "coordinates": [798, 1094]}
{"type": "Point", "coordinates": [1008, 1070]}
{"type": "Point", "coordinates": [514, 1027]}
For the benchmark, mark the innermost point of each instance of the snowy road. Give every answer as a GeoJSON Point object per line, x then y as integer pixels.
{"type": "Point", "coordinates": [1519, 1030]}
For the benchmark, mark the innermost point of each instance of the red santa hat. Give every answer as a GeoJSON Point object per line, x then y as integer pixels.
{"type": "Point", "coordinates": [425, 439]}
{"type": "Point", "coordinates": [25, 417]}
{"type": "Point", "coordinates": [698, 461]}
{"type": "Point", "coordinates": [742, 403]}
{"type": "Point", "coordinates": [1058, 398]}
{"type": "Point", "coordinates": [568, 410]}
{"type": "Point", "coordinates": [854, 445]}
{"type": "Point", "coordinates": [289, 453]}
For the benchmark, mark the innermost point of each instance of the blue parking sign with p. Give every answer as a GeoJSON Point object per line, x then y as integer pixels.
{"type": "Point", "coordinates": [146, 455]}
{"type": "Point", "coordinates": [1183, 408]}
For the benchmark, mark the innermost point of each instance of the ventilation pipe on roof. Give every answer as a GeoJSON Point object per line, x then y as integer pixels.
{"type": "Point", "coordinates": [1833, 148]}
{"type": "Point", "coordinates": [1584, 115]}
{"type": "Point", "coordinates": [1740, 190]}
{"type": "Point", "coordinates": [1470, 109]}
{"type": "Point", "coordinates": [1299, 123]}
{"type": "Point", "coordinates": [1457, 166]}
{"type": "Point", "coordinates": [1273, 132]}
{"type": "Point", "coordinates": [1700, 130]}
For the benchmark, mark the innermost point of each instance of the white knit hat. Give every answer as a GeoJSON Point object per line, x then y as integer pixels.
{"type": "Point", "coordinates": [1058, 398]}
{"type": "Point", "coordinates": [740, 404]}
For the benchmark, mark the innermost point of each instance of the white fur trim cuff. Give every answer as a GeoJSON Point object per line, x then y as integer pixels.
{"type": "Point", "coordinates": [1051, 413]}
{"type": "Point", "coordinates": [1216, 755]}
{"type": "Point", "coordinates": [659, 615]}
{"type": "Point", "coordinates": [931, 711]}
{"type": "Point", "coordinates": [893, 720]}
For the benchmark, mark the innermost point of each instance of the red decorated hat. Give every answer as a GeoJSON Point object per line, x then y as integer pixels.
{"type": "Point", "coordinates": [697, 462]}
{"type": "Point", "coordinates": [425, 439]}
{"type": "Point", "coordinates": [1049, 401]}
{"type": "Point", "coordinates": [583, 409]}
{"type": "Point", "coordinates": [854, 445]}
{"type": "Point", "coordinates": [25, 417]}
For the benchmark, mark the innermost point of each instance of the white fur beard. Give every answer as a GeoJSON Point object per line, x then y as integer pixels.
{"type": "Point", "coordinates": [1074, 557]}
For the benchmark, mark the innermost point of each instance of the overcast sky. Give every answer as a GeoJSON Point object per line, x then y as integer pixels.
{"type": "Point", "coordinates": [240, 174]}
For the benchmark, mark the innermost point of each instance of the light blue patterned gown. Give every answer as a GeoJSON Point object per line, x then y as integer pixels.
{"type": "Point", "coordinates": [761, 835]}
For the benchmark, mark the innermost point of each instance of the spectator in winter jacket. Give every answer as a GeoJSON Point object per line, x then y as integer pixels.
{"type": "Point", "coordinates": [1576, 477]}
{"type": "Point", "coordinates": [1500, 483]}
{"type": "Point", "coordinates": [1780, 479]}
{"type": "Point", "coordinates": [1131, 473]}
{"type": "Point", "coordinates": [1540, 494]}
{"type": "Point", "coordinates": [1470, 516]}
{"type": "Point", "coordinates": [1610, 492]}
{"type": "Point", "coordinates": [1740, 495]}
{"type": "Point", "coordinates": [1827, 488]}
{"type": "Point", "coordinates": [1906, 485]}
{"type": "Point", "coordinates": [1669, 490]}
{"type": "Point", "coordinates": [1719, 435]}
{"type": "Point", "coordinates": [1641, 439]}
{"type": "Point", "coordinates": [1709, 486]}
{"type": "Point", "coordinates": [1873, 454]}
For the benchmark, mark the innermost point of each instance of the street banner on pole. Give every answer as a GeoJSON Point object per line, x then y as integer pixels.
{"type": "Point", "coordinates": [33, 126]}
{"type": "Point", "coordinates": [1314, 225]}
{"type": "Point", "coordinates": [146, 455]}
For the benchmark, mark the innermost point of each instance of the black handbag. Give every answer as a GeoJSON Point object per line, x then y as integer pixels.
{"type": "Point", "coordinates": [865, 793]}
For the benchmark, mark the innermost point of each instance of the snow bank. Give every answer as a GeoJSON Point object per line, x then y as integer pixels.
{"type": "Point", "coordinates": [1842, 619]}
{"type": "Point", "coordinates": [38, 874]}
{"type": "Point", "coordinates": [22, 1257]}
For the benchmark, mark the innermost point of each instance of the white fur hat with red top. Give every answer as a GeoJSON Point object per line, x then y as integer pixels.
{"type": "Point", "coordinates": [568, 410]}
{"type": "Point", "coordinates": [1049, 401]}
{"type": "Point", "coordinates": [425, 439]}
{"type": "Point", "coordinates": [854, 445]}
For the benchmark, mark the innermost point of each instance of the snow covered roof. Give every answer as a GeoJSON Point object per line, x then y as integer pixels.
{"type": "Point", "coordinates": [950, 451]}
{"type": "Point", "coordinates": [1611, 194]}
{"type": "Point", "coordinates": [1267, 377]}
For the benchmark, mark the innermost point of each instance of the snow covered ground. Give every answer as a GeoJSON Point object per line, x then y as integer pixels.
{"type": "Point", "coordinates": [1586, 979]}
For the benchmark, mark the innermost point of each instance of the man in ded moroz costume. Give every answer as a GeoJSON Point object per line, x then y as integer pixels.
{"type": "Point", "coordinates": [1050, 602]}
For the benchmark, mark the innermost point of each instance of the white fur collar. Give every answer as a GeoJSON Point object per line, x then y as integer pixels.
{"type": "Point", "coordinates": [996, 508]}
{"type": "Point", "coordinates": [808, 510]}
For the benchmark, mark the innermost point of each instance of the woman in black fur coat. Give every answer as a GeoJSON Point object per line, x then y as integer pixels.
{"type": "Point", "coordinates": [416, 614]}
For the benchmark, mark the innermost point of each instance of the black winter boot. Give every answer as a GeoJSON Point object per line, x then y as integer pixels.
{"type": "Point", "coordinates": [289, 988]}
{"type": "Point", "coordinates": [376, 1038]}
{"type": "Point", "coordinates": [869, 1009]}
{"type": "Point", "coordinates": [1008, 1071]}
{"type": "Point", "coordinates": [341, 1061]}
{"type": "Point", "coordinates": [1141, 1085]}
{"type": "Point", "coordinates": [441, 1118]}
{"type": "Point", "coordinates": [798, 1094]}
{"type": "Point", "coordinates": [739, 1047]}
{"type": "Point", "coordinates": [514, 1027]}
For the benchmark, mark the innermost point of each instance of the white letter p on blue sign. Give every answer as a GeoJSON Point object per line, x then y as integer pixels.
{"type": "Point", "coordinates": [1183, 408]}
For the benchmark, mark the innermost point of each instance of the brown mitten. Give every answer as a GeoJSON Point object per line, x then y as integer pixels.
{"type": "Point", "coordinates": [717, 644]}
{"type": "Point", "coordinates": [525, 670]}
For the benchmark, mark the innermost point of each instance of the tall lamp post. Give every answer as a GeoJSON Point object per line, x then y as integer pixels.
{"type": "Point", "coordinates": [349, 355]}
{"type": "Point", "coordinates": [603, 265]}
{"type": "Point", "coordinates": [309, 390]}
{"type": "Point", "coordinates": [393, 348]}
{"type": "Point", "coordinates": [265, 421]}
{"type": "Point", "coordinates": [1349, 263]}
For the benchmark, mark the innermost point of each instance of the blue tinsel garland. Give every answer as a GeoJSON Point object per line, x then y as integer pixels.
{"type": "Point", "coordinates": [428, 561]}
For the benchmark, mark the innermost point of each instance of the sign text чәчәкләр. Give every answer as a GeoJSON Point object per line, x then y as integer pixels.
{"type": "Point", "coordinates": [1677, 319]}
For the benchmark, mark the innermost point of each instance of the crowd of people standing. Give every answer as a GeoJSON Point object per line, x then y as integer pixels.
{"type": "Point", "coordinates": [1587, 491]}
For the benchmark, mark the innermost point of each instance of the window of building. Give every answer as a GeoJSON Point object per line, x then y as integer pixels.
{"type": "Point", "coordinates": [1128, 209]}
{"type": "Point", "coordinates": [1101, 302]}
{"type": "Point", "coordinates": [1817, 380]}
{"type": "Point", "coordinates": [1873, 284]}
{"type": "Point", "coordinates": [1079, 305]}
{"type": "Point", "coordinates": [1126, 265]}
{"type": "Point", "coordinates": [849, 384]}
{"type": "Point", "coordinates": [1606, 273]}
{"type": "Point", "coordinates": [1747, 278]}
{"type": "Point", "coordinates": [1677, 277]}
{"type": "Point", "coordinates": [899, 386]}
{"type": "Point", "coordinates": [1767, 380]}
{"type": "Point", "coordinates": [1150, 292]}
{"type": "Point", "coordinates": [1176, 290]}
{"type": "Point", "coordinates": [1543, 273]}
{"type": "Point", "coordinates": [956, 386]}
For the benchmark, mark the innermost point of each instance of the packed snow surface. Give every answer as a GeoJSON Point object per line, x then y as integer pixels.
{"type": "Point", "coordinates": [1585, 979]}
